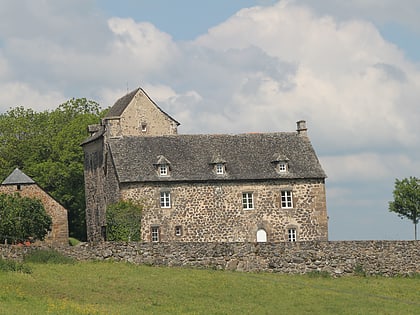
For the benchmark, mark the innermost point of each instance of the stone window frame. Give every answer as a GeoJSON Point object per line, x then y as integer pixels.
{"type": "Point", "coordinates": [292, 234]}
{"type": "Point", "coordinates": [286, 199]}
{"type": "Point", "coordinates": [248, 200]}
{"type": "Point", "coordinates": [155, 233]}
{"type": "Point", "coordinates": [165, 199]}
{"type": "Point", "coordinates": [178, 230]}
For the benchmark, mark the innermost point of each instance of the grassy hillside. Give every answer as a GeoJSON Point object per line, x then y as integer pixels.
{"type": "Point", "coordinates": [117, 288]}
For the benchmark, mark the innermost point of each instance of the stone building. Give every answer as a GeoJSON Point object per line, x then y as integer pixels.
{"type": "Point", "coordinates": [202, 188]}
{"type": "Point", "coordinates": [19, 182]}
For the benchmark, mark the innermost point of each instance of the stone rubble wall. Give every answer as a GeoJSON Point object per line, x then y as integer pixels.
{"type": "Point", "coordinates": [338, 258]}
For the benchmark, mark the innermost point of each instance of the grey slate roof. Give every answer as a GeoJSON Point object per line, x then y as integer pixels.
{"type": "Point", "coordinates": [192, 157]}
{"type": "Point", "coordinates": [18, 177]}
{"type": "Point", "coordinates": [121, 104]}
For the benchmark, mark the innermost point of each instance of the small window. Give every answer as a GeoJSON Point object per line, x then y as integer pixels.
{"type": "Point", "coordinates": [163, 170]}
{"type": "Point", "coordinates": [292, 235]}
{"type": "Point", "coordinates": [282, 167]}
{"type": "Point", "coordinates": [18, 187]}
{"type": "Point", "coordinates": [247, 201]}
{"type": "Point", "coordinates": [178, 230]}
{"type": "Point", "coordinates": [165, 199]}
{"type": "Point", "coordinates": [143, 127]}
{"type": "Point", "coordinates": [155, 234]}
{"type": "Point", "coordinates": [286, 199]}
{"type": "Point", "coordinates": [220, 169]}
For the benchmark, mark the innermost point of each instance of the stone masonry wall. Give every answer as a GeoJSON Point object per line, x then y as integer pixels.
{"type": "Point", "coordinates": [59, 233]}
{"type": "Point", "coordinates": [213, 212]}
{"type": "Point", "coordinates": [388, 258]}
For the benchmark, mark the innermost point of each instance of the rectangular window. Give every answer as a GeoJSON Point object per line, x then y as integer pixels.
{"type": "Point", "coordinates": [292, 235]}
{"type": "Point", "coordinates": [220, 169]}
{"type": "Point", "coordinates": [165, 199]}
{"type": "Point", "coordinates": [178, 230]}
{"type": "Point", "coordinates": [247, 201]}
{"type": "Point", "coordinates": [282, 167]}
{"type": "Point", "coordinates": [286, 199]}
{"type": "Point", "coordinates": [163, 170]}
{"type": "Point", "coordinates": [155, 234]}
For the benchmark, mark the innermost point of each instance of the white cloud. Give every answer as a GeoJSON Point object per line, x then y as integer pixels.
{"type": "Point", "coordinates": [19, 94]}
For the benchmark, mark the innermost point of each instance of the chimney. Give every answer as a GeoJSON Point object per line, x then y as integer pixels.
{"type": "Point", "coordinates": [301, 127]}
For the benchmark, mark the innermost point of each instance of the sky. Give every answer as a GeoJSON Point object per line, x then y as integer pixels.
{"type": "Point", "coordinates": [351, 69]}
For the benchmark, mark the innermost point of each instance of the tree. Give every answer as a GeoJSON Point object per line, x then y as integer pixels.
{"type": "Point", "coordinates": [46, 146]}
{"type": "Point", "coordinates": [22, 218]}
{"type": "Point", "coordinates": [123, 221]}
{"type": "Point", "coordinates": [407, 200]}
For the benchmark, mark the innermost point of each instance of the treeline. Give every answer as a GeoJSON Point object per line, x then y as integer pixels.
{"type": "Point", "coordinates": [46, 146]}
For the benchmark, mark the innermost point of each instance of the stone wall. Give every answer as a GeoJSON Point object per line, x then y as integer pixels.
{"type": "Point", "coordinates": [213, 212]}
{"type": "Point", "coordinates": [388, 258]}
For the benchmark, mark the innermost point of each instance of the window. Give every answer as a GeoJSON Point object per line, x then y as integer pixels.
{"type": "Point", "coordinates": [165, 199]}
{"type": "Point", "coordinates": [178, 230]}
{"type": "Point", "coordinates": [154, 234]}
{"type": "Point", "coordinates": [247, 201]}
{"type": "Point", "coordinates": [143, 127]}
{"type": "Point", "coordinates": [163, 170]}
{"type": "Point", "coordinates": [282, 167]}
{"type": "Point", "coordinates": [286, 199]}
{"type": "Point", "coordinates": [220, 169]}
{"type": "Point", "coordinates": [291, 235]}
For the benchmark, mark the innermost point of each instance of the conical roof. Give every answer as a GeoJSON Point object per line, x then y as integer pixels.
{"type": "Point", "coordinates": [18, 177]}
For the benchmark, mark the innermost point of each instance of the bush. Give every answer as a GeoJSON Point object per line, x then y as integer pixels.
{"type": "Point", "coordinates": [10, 265]}
{"type": "Point", "coordinates": [73, 241]}
{"type": "Point", "coordinates": [123, 221]}
{"type": "Point", "coordinates": [48, 256]}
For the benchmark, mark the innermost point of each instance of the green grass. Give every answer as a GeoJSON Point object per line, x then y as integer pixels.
{"type": "Point", "coordinates": [119, 288]}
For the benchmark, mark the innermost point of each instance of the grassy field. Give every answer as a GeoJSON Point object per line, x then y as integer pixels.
{"type": "Point", "coordinates": [118, 288]}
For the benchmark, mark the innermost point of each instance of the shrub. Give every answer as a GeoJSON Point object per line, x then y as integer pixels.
{"type": "Point", "coordinates": [10, 265]}
{"type": "Point", "coordinates": [123, 221]}
{"type": "Point", "coordinates": [48, 256]}
{"type": "Point", "coordinates": [73, 241]}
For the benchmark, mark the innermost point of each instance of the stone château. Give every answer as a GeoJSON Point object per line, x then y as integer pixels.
{"type": "Point", "coordinates": [253, 187]}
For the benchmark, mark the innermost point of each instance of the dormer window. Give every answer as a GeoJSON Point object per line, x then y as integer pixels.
{"type": "Point", "coordinates": [219, 165]}
{"type": "Point", "coordinates": [281, 163]}
{"type": "Point", "coordinates": [162, 166]}
{"type": "Point", "coordinates": [163, 170]}
{"type": "Point", "coordinates": [220, 169]}
{"type": "Point", "coordinates": [282, 167]}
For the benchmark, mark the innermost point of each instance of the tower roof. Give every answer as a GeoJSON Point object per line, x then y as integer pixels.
{"type": "Point", "coordinates": [17, 177]}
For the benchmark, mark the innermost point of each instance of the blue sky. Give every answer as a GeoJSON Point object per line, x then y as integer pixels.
{"type": "Point", "coordinates": [351, 69]}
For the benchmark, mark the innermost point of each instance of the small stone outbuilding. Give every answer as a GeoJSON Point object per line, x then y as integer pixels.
{"type": "Point", "coordinates": [253, 187]}
{"type": "Point", "coordinates": [19, 182]}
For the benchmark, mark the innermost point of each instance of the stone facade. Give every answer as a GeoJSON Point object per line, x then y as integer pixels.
{"type": "Point", "coordinates": [386, 258]}
{"type": "Point", "coordinates": [213, 212]}
{"type": "Point", "coordinates": [59, 233]}
{"type": "Point", "coordinates": [202, 188]}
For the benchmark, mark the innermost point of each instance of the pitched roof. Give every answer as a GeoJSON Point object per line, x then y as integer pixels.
{"type": "Point", "coordinates": [121, 104]}
{"type": "Point", "coordinates": [18, 177]}
{"type": "Point", "coordinates": [247, 157]}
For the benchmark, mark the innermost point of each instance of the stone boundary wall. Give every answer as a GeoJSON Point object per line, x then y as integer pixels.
{"type": "Point", "coordinates": [388, 258]}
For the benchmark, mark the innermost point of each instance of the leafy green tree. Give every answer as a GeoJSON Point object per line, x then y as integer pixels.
{"type": "Point", "coordinates": [46, 146]}
{"type": "Point", "coordinates": [123, 221]}
{"type": "Point", "coordinates": [22, 218]}
{"type": "Point", "coordinates": [407, 200]}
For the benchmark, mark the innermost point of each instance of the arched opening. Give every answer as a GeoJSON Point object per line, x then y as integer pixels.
{"type": "Point", "coordinates": [261, 235]}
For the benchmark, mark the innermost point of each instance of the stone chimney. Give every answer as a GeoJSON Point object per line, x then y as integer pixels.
{"type": "Point", "coordinates": [301, 127]}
